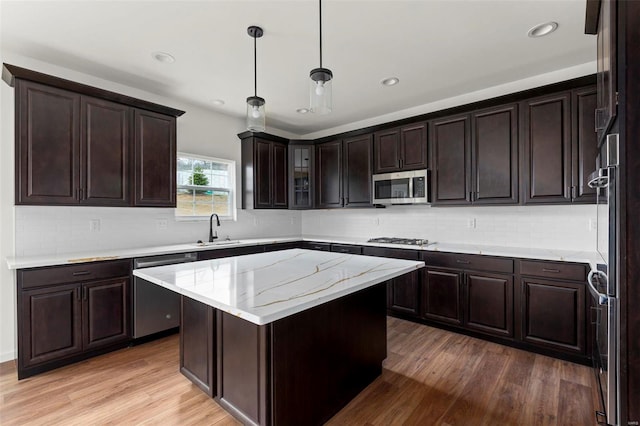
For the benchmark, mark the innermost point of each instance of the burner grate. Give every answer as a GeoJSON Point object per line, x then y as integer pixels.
{"type": "Point", "coordinates": [396, 240]}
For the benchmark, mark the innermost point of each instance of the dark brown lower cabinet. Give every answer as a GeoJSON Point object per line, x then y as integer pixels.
{"type": "Point", "coordinates": [554, 314]}
{"type": "Point", "coordinates": [299, 370]}
{"type": "Point", "coordinates": [51, 327]}
{"type": "Point", "coordinates": [403, 294]}
{"type": "Point", "coordinates": [197, 344]}
{"type": "Point", "coordinates": [477, 301]}
{"type": "Point", "coordinates": [62, 319]}
{"type": "Point", "coordinates": [489, 303]}
{"type": "Point", "coordinates": [105, 312]}
{"type": "Point", "coordinates": [442, 295]}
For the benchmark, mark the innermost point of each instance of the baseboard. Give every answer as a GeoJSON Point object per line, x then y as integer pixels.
{"type": "Point", "coordinates": [7, 356]}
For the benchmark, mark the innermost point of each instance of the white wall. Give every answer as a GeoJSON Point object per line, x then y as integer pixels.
{"type": "Point", "coordinates": [7, 281]}
{"type": "Point", "coordinates": [553, 227]}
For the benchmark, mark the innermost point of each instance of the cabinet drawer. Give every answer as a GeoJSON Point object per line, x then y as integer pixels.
{"type": "Point", "coordinates": [560, 270]}
{"type": "Point", "coordinates": [346, 248]}
{"type": "Point", "coordinates": [469, 261]}
{"type": "Point", "coordinates": [312, 245]}
{"type": "Point", "coordinates": [391, 252]}
{"type": "Point", "coordinates": [38, 277]}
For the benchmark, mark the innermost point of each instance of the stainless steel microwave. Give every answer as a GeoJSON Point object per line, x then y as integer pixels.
{"type": "Point", "coordinates": [413, 187]}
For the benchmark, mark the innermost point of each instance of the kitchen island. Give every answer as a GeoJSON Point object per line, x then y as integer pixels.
{"type": "Point", "coordinates": [286, 337]}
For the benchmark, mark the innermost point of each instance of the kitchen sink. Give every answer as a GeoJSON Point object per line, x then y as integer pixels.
{"type": "Point", "coordinates": [217, 243]}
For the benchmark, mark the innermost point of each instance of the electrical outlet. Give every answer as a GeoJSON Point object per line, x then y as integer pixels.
{"type": "Point", "coordinates": [593, 224]}
{"type": "Point", "coordinates": [255, 221]}
{"type": "Point", "coordinates": [376, 221]}
{"type": "Point", "coordinates": [94, 225]}
{"type": "Point", "coordinates": [471, 223]}
{"type": "Point", "coordinates": [162, 223]}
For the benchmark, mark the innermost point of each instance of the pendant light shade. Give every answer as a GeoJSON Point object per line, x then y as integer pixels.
{"type": "Point", "coordinates": [256, 116]}
{"type": "Point", "coordinates": [320, 86]}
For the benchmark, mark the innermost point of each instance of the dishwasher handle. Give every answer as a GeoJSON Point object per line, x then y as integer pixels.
{"type": "Point", "coordinates": [602, 298]}
{"type": "Point", "coordinates": [148, 262]}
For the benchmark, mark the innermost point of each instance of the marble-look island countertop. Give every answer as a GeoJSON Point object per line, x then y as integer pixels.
{"type": "Point", "coordinates": [265, 287]}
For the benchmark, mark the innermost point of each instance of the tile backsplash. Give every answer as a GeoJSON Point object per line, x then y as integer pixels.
{"type": "Point", "coordinates": [56, 230]}
{"type": "Point", "coordinates": [567, 227]}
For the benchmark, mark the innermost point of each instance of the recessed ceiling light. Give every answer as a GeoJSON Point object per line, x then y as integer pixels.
{"type": "Point", "coordinates": [218, 102]}
{"type": "Point", "coordinates": [541, 30]}
{"type": "Point", "coordinates": [391, 81]}
{"type": "Point", "coordinates": [163, 57]}
{"type": "Point", "coordinates": [302, 110]}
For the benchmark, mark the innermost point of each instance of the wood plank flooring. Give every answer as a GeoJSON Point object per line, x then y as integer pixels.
{"type": "Point", "coordinates": [430, 377]}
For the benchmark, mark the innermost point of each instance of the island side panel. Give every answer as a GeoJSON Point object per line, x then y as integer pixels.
{"type": "Point", "coordinates": [197, 344]}
{"type": "Point", "coordinates": [323, 357]}
{"type": "Point", "coordinates": [244, 369]}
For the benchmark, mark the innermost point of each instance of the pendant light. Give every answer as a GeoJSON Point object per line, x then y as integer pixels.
{"type": "Point", "coordinates": [320, 86]}
{"type": "Point", "coordinates": [255, 104]}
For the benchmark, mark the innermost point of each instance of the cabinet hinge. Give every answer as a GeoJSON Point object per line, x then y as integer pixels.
{"type": "Point", "coordinates": [617, 97]}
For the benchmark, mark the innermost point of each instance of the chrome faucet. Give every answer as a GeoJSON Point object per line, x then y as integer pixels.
{"type": "Point", "coordinates": [211, 234]}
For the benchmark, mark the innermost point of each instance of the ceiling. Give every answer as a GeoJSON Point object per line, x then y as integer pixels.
{"type": "Point", "coordinates": [438, 49]}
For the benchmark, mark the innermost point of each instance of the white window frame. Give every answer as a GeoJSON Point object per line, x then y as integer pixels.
{"type": "Point", "coordinates": [232, 190]}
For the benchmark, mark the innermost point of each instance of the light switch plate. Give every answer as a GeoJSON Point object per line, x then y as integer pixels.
{"type": "Point", "coordinates": [94, 225]}
{"type": "Point", "coordinates": [162, 223]}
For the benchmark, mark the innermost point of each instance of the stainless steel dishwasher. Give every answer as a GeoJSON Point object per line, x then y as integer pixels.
{"type": "Point", "coordinates": [155, 308]}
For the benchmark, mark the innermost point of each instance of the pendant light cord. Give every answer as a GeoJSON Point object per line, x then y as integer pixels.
{"type": "Point", "coordinates": [320, 17]}
{"type": "Point", "coordinates": [255, 67]}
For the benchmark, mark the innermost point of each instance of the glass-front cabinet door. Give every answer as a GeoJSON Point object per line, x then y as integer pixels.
{"type": "Point", "coordinates": [300, 172]}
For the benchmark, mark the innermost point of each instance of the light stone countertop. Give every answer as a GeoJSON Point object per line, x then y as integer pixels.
{"type": "Point", "coordinates": [265, 287]}
{"type": "Point", "coordinates": [591, 257]}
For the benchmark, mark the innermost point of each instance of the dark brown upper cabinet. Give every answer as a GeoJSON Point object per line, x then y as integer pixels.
{"type": "Point", "coordinates": [475, 157]}
{"type": "Point", "coordinates": [328, 181]}
{"type": "Point", "coordinates": [607, 98]}
{"type": "Point", "coordinates": [450, 140]}
{"type": "Point", "coordinates": [494, 155]}
{"type": "Point", "coordinates": [264, 171]}
{"type": "Point", "coordinates": [357, 171]}
{"type": "Point", "coordinates": [558, 147]}
{"type": "Point", "coordinates": [301, 176]}
{"type": "Point", "coordinates": [546, 137]}
{"type": "Point", "coordinates": [79, 145]}
{"type": "Point", "coordinates": [343, 172]}
{"type": "Point", "coordinates": [47, 144]}
{"type": "Point", "coordinates": [402, 148]}
{"type": "Point", "coordinates": [584, 144]}
{"type": "Point", "coordinates": [155, 163]}
{"type": "Point", "coordinates": [105, 171]}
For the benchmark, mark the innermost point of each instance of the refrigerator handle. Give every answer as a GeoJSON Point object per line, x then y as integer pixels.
{"type": "Point", "coordinates": [600, 297]}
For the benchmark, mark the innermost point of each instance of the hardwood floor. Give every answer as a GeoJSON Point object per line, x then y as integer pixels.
{"type": "Point", "coordinates": [430, 377]}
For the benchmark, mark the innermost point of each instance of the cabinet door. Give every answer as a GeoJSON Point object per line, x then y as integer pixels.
{"type": "Point", "coordinates": [386, 151]}
{"type": "Point", "coordinates": [489, 303]}
{"type": "Point", "coordinates": [300, 172]}
{"type": "Point", "coordinates": [442, 295]}
{"type": "Point", "coordinates": [105, 139]}
{"type": "Point", "coordinates": [329, 175]}
{"type": "Point", "coordinates": [413, 147]}
{"type": "Point", "coordinates": [48, 143]}
{"type": "Point", "coordinates": [546, 159]}
{"type": "Point", "coordinates": [198, 345]}
{"type": "Point", "coordinates": [279, 177]}
{"type": "Point", "coordinates": [402, 293]}
{"type": "Point", "coordinates": [451, 160]}
{"type": "Point", "coordinates": [105, 312]}
{"type": "Point", "coordinates": [357, 171]}
{"type": "Point", "coordinates": [263, 162]}
{"type": "Point", "coordinates": [607, 68]}
{"type": "Point", "coordinates": [495, 155]}
{"type": "Point", "coordinates": [50, 325]}
{"type": "Point", "coordinates": [155, 159]}
{"type": "Point", "coordinates": [554, 314]}
{"type": "Point", "coordinates": [584, 144]}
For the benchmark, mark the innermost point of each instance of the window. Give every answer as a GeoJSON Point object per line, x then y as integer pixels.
{"type": "Point", "coordinates": [205, 186]}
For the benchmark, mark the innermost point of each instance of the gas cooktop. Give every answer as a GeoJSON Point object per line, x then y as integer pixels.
{"type": "Point", "coordinates": [394, 240]}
